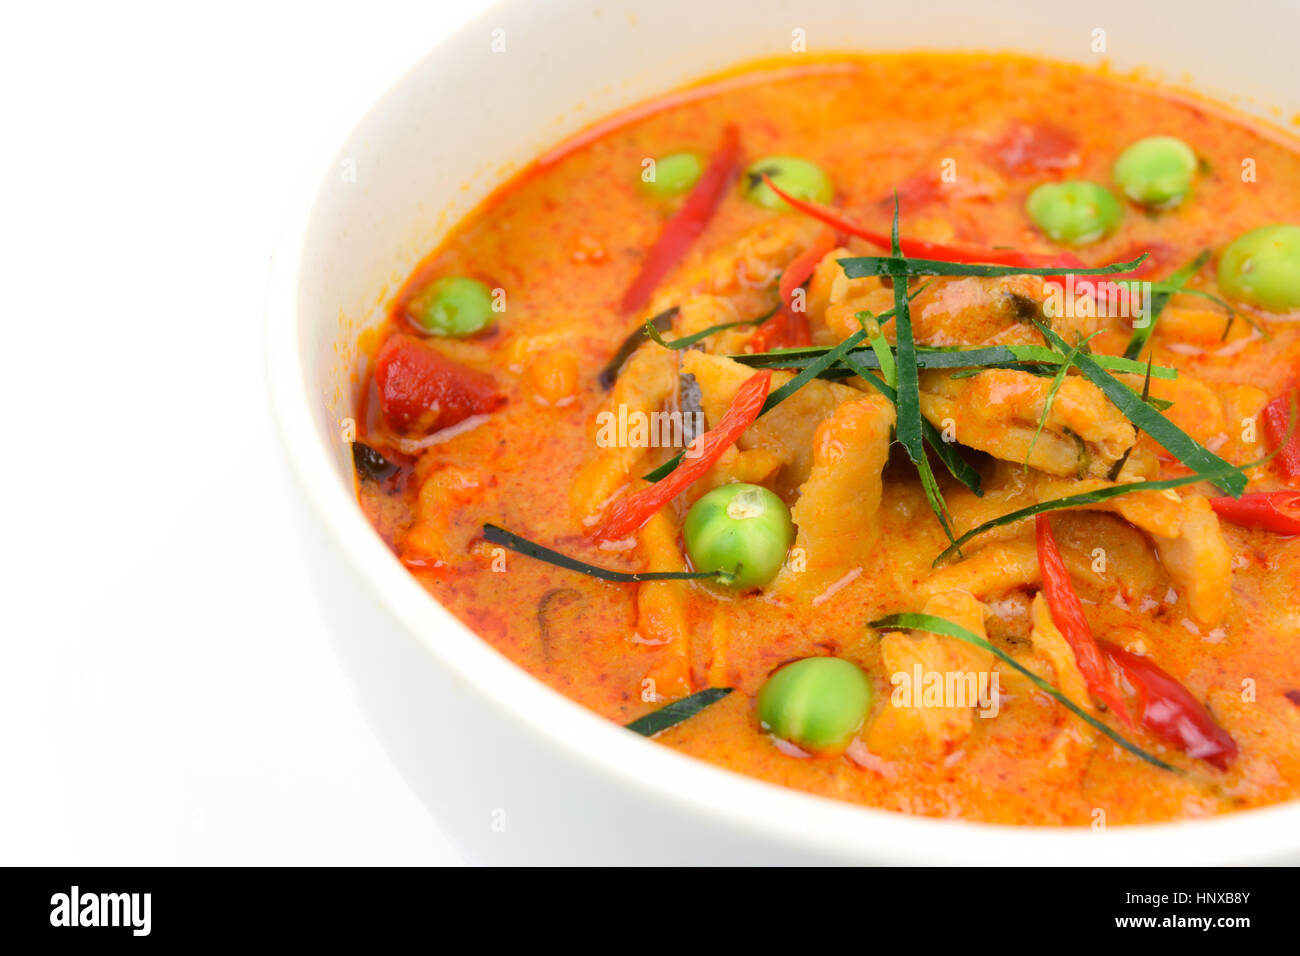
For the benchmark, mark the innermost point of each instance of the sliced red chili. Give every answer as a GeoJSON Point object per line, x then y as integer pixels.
{"type": "Point", "coordinates": [946, 252]}
{"type": "Point", "coordinates": [789, 327]}
{"type": "Point", "coordinates": [801, 267]}
{"type": "Point", "coordinates": [1277, 421]}
{"type": "Point", "coordinates": [629, 514]}
{"type": "Point", "coordinates": [1271, 510]}
{"type": "Point", "coordinates": [1067, 614]}
{"type": "Point", "coordinates": [800, 334]}
{"type": "Point", "coordinates": [919, 248]}
{"type": "Point", "coordinates": [420, 389]}
{"type": "Point", "coordinates": [686, 225]}
{"type": "Point", "coordinates": [772, 334]}
{"type": "Point", "coordinates": [1168, 709]}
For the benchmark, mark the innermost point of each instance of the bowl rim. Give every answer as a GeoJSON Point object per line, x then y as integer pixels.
{"type": "Point", "coordinates": [778, 816]}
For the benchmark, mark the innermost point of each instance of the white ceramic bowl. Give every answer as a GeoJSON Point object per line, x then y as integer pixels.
{"type": "Point", "coordinates": [514, 771]}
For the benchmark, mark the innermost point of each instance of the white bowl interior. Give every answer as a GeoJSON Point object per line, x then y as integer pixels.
{"type": "Point", "coordinates": [470, 114]}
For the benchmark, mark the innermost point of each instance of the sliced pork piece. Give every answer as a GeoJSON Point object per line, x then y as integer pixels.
{"type": "Point", "coordinates": [912, 724]}
{"type": "Point", "coordinates": [1199, 561]}
{"type": "Point", "coordinates": [836, 508]}
{"type": "Point", "coordinates": [643, 386]}
{"type": "Point", "coordinates": [788, 429]}
{"type": "Point", "coordinates": [744, 271]}
{"type": "Point", "coordinates": [998, 411]}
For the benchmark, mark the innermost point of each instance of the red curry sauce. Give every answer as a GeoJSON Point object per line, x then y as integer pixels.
{"type": "Point", "coordinates": [567, 238]}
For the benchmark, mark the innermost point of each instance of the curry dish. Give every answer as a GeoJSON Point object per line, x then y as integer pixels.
{"type": "Point", "coordinates": [915, 430]}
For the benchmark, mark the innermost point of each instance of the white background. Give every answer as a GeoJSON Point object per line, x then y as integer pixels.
{"type": "Point", "coordinates": [167, 693]}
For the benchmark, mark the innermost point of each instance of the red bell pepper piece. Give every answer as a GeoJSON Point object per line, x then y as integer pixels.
{"type": "Point", "coordinates": [1067, 614]}
{"type": "Point", "coordinates": [1271, 510]}
{"type": "Point", "coordinates": [1277, 419]}
{"type": "Point", "coordinates": [420, 389]}
{"type": "Point", "coordinates": [686, 225]}
{"type": "Point", "coordinates": [632, 512]}
{"type": "Point", "coordinates": [919, 248]}
{"type": "Point", "coordinates": [1168, 710]}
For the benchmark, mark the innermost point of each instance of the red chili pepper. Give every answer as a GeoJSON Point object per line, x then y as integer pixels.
{"type": "Point", "coordinates": [421, 389]}
{"type": "Point", "coordinates": [1277, 419]}
{"type": "Point", "coordinates": [944, 252]}
{"type": "Point", "coordinates": [919, 248]}
{"type": "Point", "coordinates": [632, 512]}
{"type": "Point", "coordinates": [1271, 510]}
{"type": "Point", "coordinates": [801, 267]}
{"type": "Point", "coordinates": [772, 333]}
{"type": "Point", "coordinates": [1067, 614]}
{"type": "Point", "coordinates": [790, 325]}
{"type": "Point", "coordinates": [800, 333]}
{"type": "Point", "coordinates": [685, 225]}
{"type": "Point", "coordinates": [1168, 710]}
